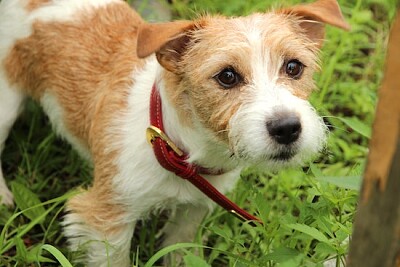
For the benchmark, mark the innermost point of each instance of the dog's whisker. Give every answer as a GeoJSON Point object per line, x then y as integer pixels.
{"type": "Point", "coordinates": [223, 131]}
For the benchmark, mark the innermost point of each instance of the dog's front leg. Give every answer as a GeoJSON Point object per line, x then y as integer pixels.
{"type": "Point", "coordinates": [98, 227]}
{"type": "Point", "coordinates": [181, 228]}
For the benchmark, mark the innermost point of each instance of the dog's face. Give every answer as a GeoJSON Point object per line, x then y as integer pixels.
{"type": "Point", "coordinates": [246, 81]}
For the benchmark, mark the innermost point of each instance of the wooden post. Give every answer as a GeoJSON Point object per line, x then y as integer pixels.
{"type": "Point", "coordinates": [376, 237]}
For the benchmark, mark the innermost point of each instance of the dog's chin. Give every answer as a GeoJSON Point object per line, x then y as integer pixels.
{"type": "Point", "coordinates": [279, 160]}
{"type": "Point", "coordinates": [283, 156]}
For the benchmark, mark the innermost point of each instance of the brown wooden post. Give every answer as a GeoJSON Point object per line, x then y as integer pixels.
{"type": "Point", "coordinates": [376, 237]}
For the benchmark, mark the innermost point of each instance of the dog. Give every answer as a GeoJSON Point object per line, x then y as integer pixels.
{"type": "Point", "coordinates": [234, 94]}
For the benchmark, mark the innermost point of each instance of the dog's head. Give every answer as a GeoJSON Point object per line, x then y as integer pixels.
{"type": "Point", "coordinates": [247, 79]}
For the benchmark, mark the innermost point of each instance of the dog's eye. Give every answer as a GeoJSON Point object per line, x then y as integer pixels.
{"type": "Point", "coordinates": [228, 78]}
{"type": "Point", "coordinates": [294, 68]}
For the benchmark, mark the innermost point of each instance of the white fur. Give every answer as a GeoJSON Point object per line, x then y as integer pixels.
{"type": "Point", "coordinates": [10, 99]}
{"type": "Point", "coordinates": [55, 113]}
{"type": "Point", "coordinates": [5, 194]}
{"type": "Point", "coordinates": [62, 10]}
{"type": "Point", "coordinates": [15, 21]}
{"type": "Point", "coordinates": [100, 250]}
{"type": "Point", "coordinates": [249, 133]}
{"type": "Point", "coordinates": [14, 25]}
{"type": "Point", "coordinates": [10, 106]}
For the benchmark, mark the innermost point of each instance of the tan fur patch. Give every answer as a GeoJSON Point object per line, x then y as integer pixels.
{"type": "Point", "coordinates": [96, 209]}
{"type": "Point", "coordinates": [87, 64]}
{"type": "Point", "coordinates": [34, 4]}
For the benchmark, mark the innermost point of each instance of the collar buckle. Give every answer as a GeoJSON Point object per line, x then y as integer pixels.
{"type": "Point", "coordinates": [153, 132]}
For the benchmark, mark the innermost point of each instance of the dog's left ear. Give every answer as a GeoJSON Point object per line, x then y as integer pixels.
{"type": "Point", "coordinates": [313, 17]}
{"type": "Point", "coordinates": [168, 40]}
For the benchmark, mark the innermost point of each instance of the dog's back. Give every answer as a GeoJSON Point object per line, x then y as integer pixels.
{"type": "Point", "coordinates": [43, 52]}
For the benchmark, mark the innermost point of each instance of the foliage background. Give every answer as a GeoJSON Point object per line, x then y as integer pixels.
{"type": "Point", "coordinates": [307, 212]}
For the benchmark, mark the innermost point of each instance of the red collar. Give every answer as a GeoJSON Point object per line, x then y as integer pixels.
{"type": "Point", "coordinates": [173, 159]}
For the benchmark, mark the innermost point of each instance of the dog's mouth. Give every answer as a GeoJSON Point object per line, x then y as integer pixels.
{"type": "Point", "coordinates": [283, 155]}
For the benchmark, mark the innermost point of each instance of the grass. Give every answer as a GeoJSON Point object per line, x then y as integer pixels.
{"type": "Point", "coordinates": [308, 212]}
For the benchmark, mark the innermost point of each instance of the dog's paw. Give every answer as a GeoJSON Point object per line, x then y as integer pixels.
{"type": "Point", "coordinates": [6, 197]}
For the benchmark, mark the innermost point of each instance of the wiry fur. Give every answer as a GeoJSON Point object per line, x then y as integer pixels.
{"type": "Point", "coordinates": [78, 59]}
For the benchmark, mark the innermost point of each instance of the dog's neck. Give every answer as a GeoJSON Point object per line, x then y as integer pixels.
{"type": "Point", "coordinates": [201, 146]}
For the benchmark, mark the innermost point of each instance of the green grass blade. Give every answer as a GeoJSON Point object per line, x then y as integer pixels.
{"type": "Point", "coordinates": [313, 232]}
{"type": "Point", "coordinates": [25, 229]}
{"type": "Point", "coordinates": [57, 254]}
{"type": "Point", "coordinates": [161, 253]}
{"type": "Point", "coordinates": [27, 201]}
{"type": "Point", "coordinates": [358, 126]}
{"type": "Point", "coordinates": [281, 255]}
{"type": "Point", "coordinates": [192, 260]}
{"type": "Point", "coordinates": [349, 182]}
{"type": "Point", "coordinates": [6, 245]}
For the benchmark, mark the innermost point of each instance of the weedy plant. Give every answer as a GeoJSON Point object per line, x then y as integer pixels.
{"type": "Point", "coordinates": [308, 212]}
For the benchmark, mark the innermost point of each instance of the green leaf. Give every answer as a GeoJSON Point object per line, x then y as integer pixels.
{"type": "Point", "coordinates": [280, 255]}
{"type": "Point", "coordinates": [263, 207]}
{"type": "Point", "coordinates": [224, 232]}
{"type": "Point", "coordinates": [358, 126]}
{"type": "Point", "coordinates": [348, 182]}
{"type": "Point", "coordinates": [161, 253]}
{"type": "Point", "coordinates": [315, 170]}
{"type": "Point", "coordinates": [34, 255]}
{"type": "Point", "coordinates": [21, 248]}
{"type": "Point", "coordinates": [294, 262]}
{"type": "Point", "coordinates": [26, 200]}
{"type": "Point", "coordinates": [58, 255]}
{"type": "Point", "coordinates": [192, 260]}
{"type": "Point", "coordinates": [313, 232]}
{"type": "Point", "coordinates": [325, 249]}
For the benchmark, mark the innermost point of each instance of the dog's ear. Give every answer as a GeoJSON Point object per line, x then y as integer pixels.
{"type": "Point", "coordinates": [313, 17]}
{"type": "Point", "coordinates": [168, 40]}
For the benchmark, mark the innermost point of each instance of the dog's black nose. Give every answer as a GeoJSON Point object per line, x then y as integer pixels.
{"type": "Point", "coordinates": [285, 130]}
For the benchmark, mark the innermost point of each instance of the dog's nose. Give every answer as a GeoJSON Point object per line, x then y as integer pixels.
{"type": "Point", "coordinates": [285, 130]}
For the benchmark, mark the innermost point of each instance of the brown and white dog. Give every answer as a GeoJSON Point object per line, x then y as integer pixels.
{"type": "Point", "coordinates": [234, 93]}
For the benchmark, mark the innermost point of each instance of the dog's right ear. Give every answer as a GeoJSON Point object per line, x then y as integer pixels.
{"type": "Point", "coordinates": [168, 40]}
{"type": "Point", "coordinates": [314, 15]}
